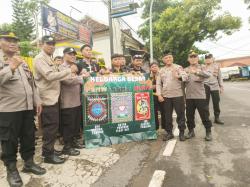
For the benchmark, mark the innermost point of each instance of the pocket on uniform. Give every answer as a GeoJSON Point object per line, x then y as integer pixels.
{"type": "Point", "coordinates": [4, 130]}
{"type": "Point", "coordinates": [49, 117]}
{"type": "Point", "coordinates": [14, 78]}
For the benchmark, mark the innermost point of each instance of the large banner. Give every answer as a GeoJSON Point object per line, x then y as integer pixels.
{"type": "Point", "coordinates": [57, 22]}
{"type": "Point", "coordinates": [118, 109]}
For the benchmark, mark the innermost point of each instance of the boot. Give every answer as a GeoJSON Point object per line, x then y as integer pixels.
{"type": "Point", "coordinates": [58, 153]}
{"type": "Point", "coordinates": [31, 167]}
{"type": "Point", "coordinates": [169, 136]}
{"type": "Point", "coordinates": [53, 159]}
{"type": "Point", "coordinates": [13, 176]}
{"type": "Point", "coordinates": [76, 144]}
{"type": "Point", "coordinates": [181, 136]}
{"type": "Point", "coordinates": [69, 150]}
{"type": "Point", "coordinates": [208, 135]}
{"type": "Point", "coordinates": [190, 134]}
{"type": "Point", "coordinates": [217, 120]}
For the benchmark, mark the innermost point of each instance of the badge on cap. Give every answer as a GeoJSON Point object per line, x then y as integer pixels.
{"type": "Point", "coordinates": [12, 34]}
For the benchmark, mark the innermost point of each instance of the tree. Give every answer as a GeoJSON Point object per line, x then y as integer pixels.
{"type": "Point", "coordinates": [180, 24]}
{"type": "Point", "coordinates": [248, 3]}
{"type": "Point", "coordinates": [248, 7]}
{"type": "Point", "coordinates": [27, 50]}
{"type": "Point", "coordinates": [22, 22]}
{"type": "Point", "coordinates": [6, 27]}
{"type": "Point", "coordinates": [158, 8]}
{"type": "Point", "coordinates": [33, 8]}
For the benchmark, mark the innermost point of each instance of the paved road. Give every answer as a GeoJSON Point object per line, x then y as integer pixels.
{"type": "Point", "coordinates": [224, 162]}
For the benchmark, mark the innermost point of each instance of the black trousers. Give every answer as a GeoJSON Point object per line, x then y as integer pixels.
{"type": "Point", "coordinates": [177, 104]}
{"type": "Point", "coordinates": [202, 107]}
{"type": "Point", "coordinates": [215, 99]}
{"type": "Point", "coordinates": [71, 120]}
{"type": "Point", "coordinates": [159, 106]}
{"type": "Point", "coordinates": [50, 125]}
{"type": "Point", "coordinates": [17, 127]}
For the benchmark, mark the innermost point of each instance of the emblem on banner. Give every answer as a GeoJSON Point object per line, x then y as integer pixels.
{"type": "Point", "coordinates": [97, 109]}
{"type": "Point", "coordinates": [142, 106]}
{"type": "Point", "coordinates": [122, 107]}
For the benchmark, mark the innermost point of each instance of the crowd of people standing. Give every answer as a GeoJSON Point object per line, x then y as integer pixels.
{"type": "Point", "coordinates": [53, 92]}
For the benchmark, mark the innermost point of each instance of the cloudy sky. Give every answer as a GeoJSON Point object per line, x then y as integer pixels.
{"type": "Point", "coordinates": [235, 45]}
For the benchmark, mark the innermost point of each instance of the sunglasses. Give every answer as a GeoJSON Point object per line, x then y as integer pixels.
{"type": "Point", "coordinates": [193, 56]}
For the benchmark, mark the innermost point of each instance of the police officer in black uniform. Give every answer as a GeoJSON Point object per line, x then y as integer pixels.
{"type": "Point", "coordinates": [137, 64]}
{"type": "Point", "coordinates": [86, 63]}
{"type": "Point", "coordinates": [117, 64]}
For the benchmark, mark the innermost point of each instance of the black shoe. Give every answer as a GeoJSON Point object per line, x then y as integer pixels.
{"type": "Point", "coordinates": [75, 144]}
{"type": "Point", "coordinates": [58, 153]}
{"type": "Point", "coordinates": [190, 134]}
{"type": "Point", "coordinates": [182, 136]}
{"type": "Point", "coordinates": [208, 136]}
{"type": "Point", "coordinates": [31, 167]}
{"type": "Point", "coordinates": [53, 159]}
{"type": "Point", "coordinates": [218, 121]}
{"type": "Point", "coordinates": [70, 151]}
{"type": "Point", "coordinates": [167, 137]}
{"type": "Point", "coordinates": [13, 176]}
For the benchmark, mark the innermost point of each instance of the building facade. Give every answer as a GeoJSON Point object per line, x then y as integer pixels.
{"type": "Point", "coordinates": [231, 62]}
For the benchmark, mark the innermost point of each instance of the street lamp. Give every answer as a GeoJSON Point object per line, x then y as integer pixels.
{"type": "Point", "coordinates": [151, 32]}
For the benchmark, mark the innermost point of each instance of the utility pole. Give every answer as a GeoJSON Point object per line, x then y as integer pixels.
{"type": "Point", "coordinates": [151, 32]}
{"type": "Point", "coordinates": [73, 8]}
{"type": "Point", "coordinates": [110, 29]}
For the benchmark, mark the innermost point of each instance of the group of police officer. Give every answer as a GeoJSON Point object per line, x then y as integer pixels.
{"type": "Point", "coordinates": [190, 88]}
{"type": "Point", "coordinates": [55, 93]}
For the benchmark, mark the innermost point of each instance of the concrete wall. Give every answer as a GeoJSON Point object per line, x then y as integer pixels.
{"type": "Point", "coordinates": [241, 61]}
{"type": "Point", "coordinates": [101, 43]}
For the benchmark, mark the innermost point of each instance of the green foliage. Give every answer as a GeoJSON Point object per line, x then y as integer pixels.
{"type": "Point", "coordinates": [248, 3]}
{"type": "Point", "coordinates": [179, 25]}
{"type": "Point", "coordinates": [22, 23]}
{"type": "Point", "coordinates": [6, 27]}
{"type": "Point", "coordinates": [101, 62]}
{"type": "Point", "coordinates": [248, 7]}
{"type": "Point", "coordinates": [27, 50]}
{"type": "Point", "coordinates": [33, 7]}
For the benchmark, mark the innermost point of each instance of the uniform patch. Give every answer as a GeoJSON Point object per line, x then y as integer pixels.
{"type": "Point", "coordinates": [142, 106]}
{"type": "Point", "coordinates": [97, 109]}
{"type": "Point", "coordinates": [122, 107]}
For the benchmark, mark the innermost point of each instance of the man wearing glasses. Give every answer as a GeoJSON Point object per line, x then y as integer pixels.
{"type": "Point", "coordinates": [196, 96]}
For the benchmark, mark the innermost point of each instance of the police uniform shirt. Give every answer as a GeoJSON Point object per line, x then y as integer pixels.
{"type": "Point", "coordinates": [167, 85]}
{"type": "Point", "coordinates": [17, 90]}
{"type": "Point", "coordinates": [70, 90]}
{"type": "Point", "coordinates": [215, 81]}
{"type": "Point", "coordinates": [195, 83]}
{"type": "Point", "coordinates": [48, 77]}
